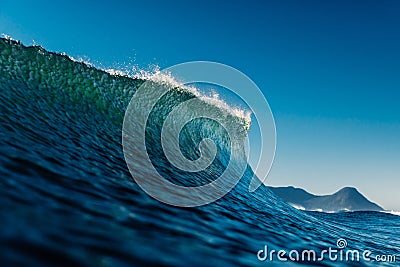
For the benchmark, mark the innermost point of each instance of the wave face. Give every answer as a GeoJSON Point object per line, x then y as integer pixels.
{"type": "Point", "coordinates": [68, 199]}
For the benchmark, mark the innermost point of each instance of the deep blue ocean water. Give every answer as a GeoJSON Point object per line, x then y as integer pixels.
{"type": "Point", "coordinates": [67, 197]}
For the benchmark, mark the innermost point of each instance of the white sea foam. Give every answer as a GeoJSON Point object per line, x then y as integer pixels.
{"type": "Point", "coordinates": [8, 37]}
{"type": "Point", "coordinates": [298, 207]}
{"type": "Point", "coordinates": [318, 210]}
{"type": "Point", "coordinates": [392, 212]}
{"type": "Point", "coordinates": [80, 60]}
{"type": "Point", "coordinates": [156, 75]}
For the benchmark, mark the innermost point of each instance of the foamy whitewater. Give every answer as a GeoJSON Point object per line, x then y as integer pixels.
{"type": "Point", "coordinates": [68, 199]}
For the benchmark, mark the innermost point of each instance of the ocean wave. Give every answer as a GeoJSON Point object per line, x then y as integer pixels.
{"type": "Point", "coordinates": [68, 197]}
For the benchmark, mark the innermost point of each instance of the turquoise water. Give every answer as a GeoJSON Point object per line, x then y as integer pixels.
{"type": "Point", "coordinates": [68, 199]}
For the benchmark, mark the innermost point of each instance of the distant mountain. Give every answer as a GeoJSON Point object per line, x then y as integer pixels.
{"type": "Point", "coordinates": [346, 199]}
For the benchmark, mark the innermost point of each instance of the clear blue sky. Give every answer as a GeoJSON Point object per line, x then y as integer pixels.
{"type": "Point", "coordinates": [329, 69]}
